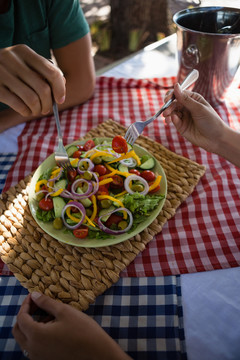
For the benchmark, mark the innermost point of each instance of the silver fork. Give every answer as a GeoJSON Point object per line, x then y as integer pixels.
{"type": "Point", "coordinates": [135, 129]}
{"type": "Point", "coordinates": [61, 156]}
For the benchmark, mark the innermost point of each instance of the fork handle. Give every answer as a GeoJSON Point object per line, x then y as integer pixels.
{"type": "Point", "coordinates": [189, 80]}
{"type": "Point", "coordinates": [55, 112]}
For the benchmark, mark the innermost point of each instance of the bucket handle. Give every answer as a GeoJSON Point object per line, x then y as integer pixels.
{"type": "Point", "coordinates": [190, 57]}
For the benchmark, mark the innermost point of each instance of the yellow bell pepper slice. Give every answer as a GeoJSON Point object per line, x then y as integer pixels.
{"type": "Point", "coordinates": [128, 155]}
{"type": "Point", "coordinates": [39, 183]}
{"type": "Point", "coordinates": [105, 181]}
{"type": "Point", "coordinates": [74, 162]}
{"type": "Point", "coordinates": [73, 218]}
{"type": "Point", "coordinates": [156, 183]}
{"type": "Point", "coordinates": [122, 193]}
{"type": "Point", "coordinates": [113, 172]}
{"type": "Point", "coordinates": [54, 173]}
{"type": "Point", "coordinates": [102, 197]}
{"type": "Point", "coordinates": [94, 213]}
{"type": "Point", "coordinates": [58, 192]}
{"type": "Point", "coordinates": [99, 153]}
{"type": "Point", "coordinates": [88, 220]}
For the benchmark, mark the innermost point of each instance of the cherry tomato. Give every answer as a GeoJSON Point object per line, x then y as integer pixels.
{"type": "Point", "coordinates": [148, 175]}
{"type": "Point", "coordinates": [46, 204]}
{"type": "Point", "coordinates": [80, 147]}
{"type": "Point", "coordinates": [154, 190]}
{"type": "Point", "coordinates": [89, 144]}
{"type": "Point", "coordinates": [113, 219]}
{"type": "Point", "coordinates": [117, 182]}
{"type": "Point", "coordinates": [135, 171]}
{"type": "Point", "coordinates": [81, 232]}
{"type": "Point", "coordinates": [100, 169]}
{"type": "Point", "coordinates": [71, 174]}
{"type": "Point", "coordinates": [103, 190]}
{"type": "Point", "coordinates": [77, 154]}
{"type": "Point", "coordinates": [119, 144]}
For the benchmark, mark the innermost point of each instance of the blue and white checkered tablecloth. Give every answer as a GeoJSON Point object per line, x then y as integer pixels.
{"type": "Point", "coordinates": [144, 315]}
{"type": "Point", "coordinates": [6, 161]}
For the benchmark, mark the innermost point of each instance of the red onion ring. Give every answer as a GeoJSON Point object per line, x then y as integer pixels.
{"type": "Point", "coordinates": [41, 192]}
{"type": "Point", "coordinates": [90, 165]}
{"type": "Point", "coordinates": [80, 207]}
{"type": "Point", "coordinates": [138, 178]}
{"type": "Point", "coordinates": [130, 162]}
{"type": "Point", "coordinates": [76, 183]}
{"type": "Point", "coordinates": [66, 194]}
{"type": "Point", "coordinates": [48, 194]}
{"type": "Point", "coordinates": [116, 232]}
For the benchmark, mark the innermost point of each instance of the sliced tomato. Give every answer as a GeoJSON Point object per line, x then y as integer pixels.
{"type": "Point", "coordinates": [113, 219]}
{"type": "Point", "coordinates": [89, 144]}
{"type": "Point", "coordinates": [77, 154]}
{"type": "Point", "coordinates": [46, 204]}
{"type": "Point", "coordinates": [103, 190]}
{"type": "Point", "coordinates": [135, 171]}
{"type": "Point", "coordinates": [148, 175]}
{"type": "Point", "coordinates": [119, 144]}
{"type": "Point", "coordinates": [100, 169]}
{"type": "Point", "coordinates": [117, 182]}
{"type": "Point", "coordinates": [71, 174]}
{"type": "Point", "coordinates": [81, 232]}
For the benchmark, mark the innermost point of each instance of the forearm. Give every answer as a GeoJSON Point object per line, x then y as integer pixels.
{"type": "Point", "coordinates": [229, 146]}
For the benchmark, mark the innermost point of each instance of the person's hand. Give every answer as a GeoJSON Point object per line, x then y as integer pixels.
{"type": "Point", "coordinates": [70, 335]}
{"type": "Point", "coordinates": [195, 119]}
{"type": "Point", "coordinates": [28, 80]}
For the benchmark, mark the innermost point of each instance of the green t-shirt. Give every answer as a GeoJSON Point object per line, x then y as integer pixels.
{"type": "Point", "coordinates": [42, 25]}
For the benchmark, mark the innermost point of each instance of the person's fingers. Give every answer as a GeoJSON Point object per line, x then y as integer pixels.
{"type": "Point", "coordinates": [24, 319]}
{"type": "Point", "coordinates": [188, 99]}
{"type": "Point", "coordinates": [49, 305]}
{"type": "Point", "coordinates": [39, 78]}
{"type": "Point", "coordinates": [9, 98]}
{"type": "Point", "coordinates": [177, 122]}
{"type": "Point", "coordinates": [168, 95]}
{"type": "Point", "coordinates": [19, 336]}
{"type": "Point", "coordinates": [51, 73]}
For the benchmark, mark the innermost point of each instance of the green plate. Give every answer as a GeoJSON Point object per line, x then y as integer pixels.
{"type": "Point", "coordinates": [71, 239]}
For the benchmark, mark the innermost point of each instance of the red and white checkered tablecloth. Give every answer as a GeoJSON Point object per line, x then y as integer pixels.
{"type": "Point", "coordinates": [205, 232]}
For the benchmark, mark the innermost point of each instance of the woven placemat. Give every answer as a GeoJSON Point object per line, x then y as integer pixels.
{"type": "Point", "coordinates": [77, 275]}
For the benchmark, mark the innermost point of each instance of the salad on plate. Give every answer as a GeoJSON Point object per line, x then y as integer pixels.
{"type": "Point", "coordinates": [112, 192]}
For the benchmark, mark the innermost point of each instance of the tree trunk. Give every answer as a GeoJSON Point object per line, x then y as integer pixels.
{"type": "Point", "coordinates": [136, 23]}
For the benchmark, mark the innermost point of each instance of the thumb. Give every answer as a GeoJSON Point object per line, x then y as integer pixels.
{"type": "Point", "coordinates": [51, 306]}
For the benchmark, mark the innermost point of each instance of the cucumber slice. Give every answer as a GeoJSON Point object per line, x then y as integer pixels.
{"type": "Point", "coordinates": [116, 204]}
{"type": "Point", "coordinates": [71, 150]}
{"type": "Point", "coordinates": [58, 205]}
{"type": "Point", "coordinates": [86, 202]}
{"type": "Point", "coordinates": [108, 158]}
{"type": "Point", "coordinates": [147, 164]}
{"type": "Point", "coordinates": [122, 168]}
{"type": "Point", "coordinates": [61, 184]}
{"type": "Point", "coordinates": [106, 211]}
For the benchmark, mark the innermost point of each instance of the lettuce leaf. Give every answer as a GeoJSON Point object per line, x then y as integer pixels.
{"type": "Point", "coordinates": [141, 205]}
{"type": "Point", "coordinates": [45, 216]}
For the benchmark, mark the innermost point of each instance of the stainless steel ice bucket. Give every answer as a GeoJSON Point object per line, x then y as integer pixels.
{"type": "Point", "coordinates": [208, 39]}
